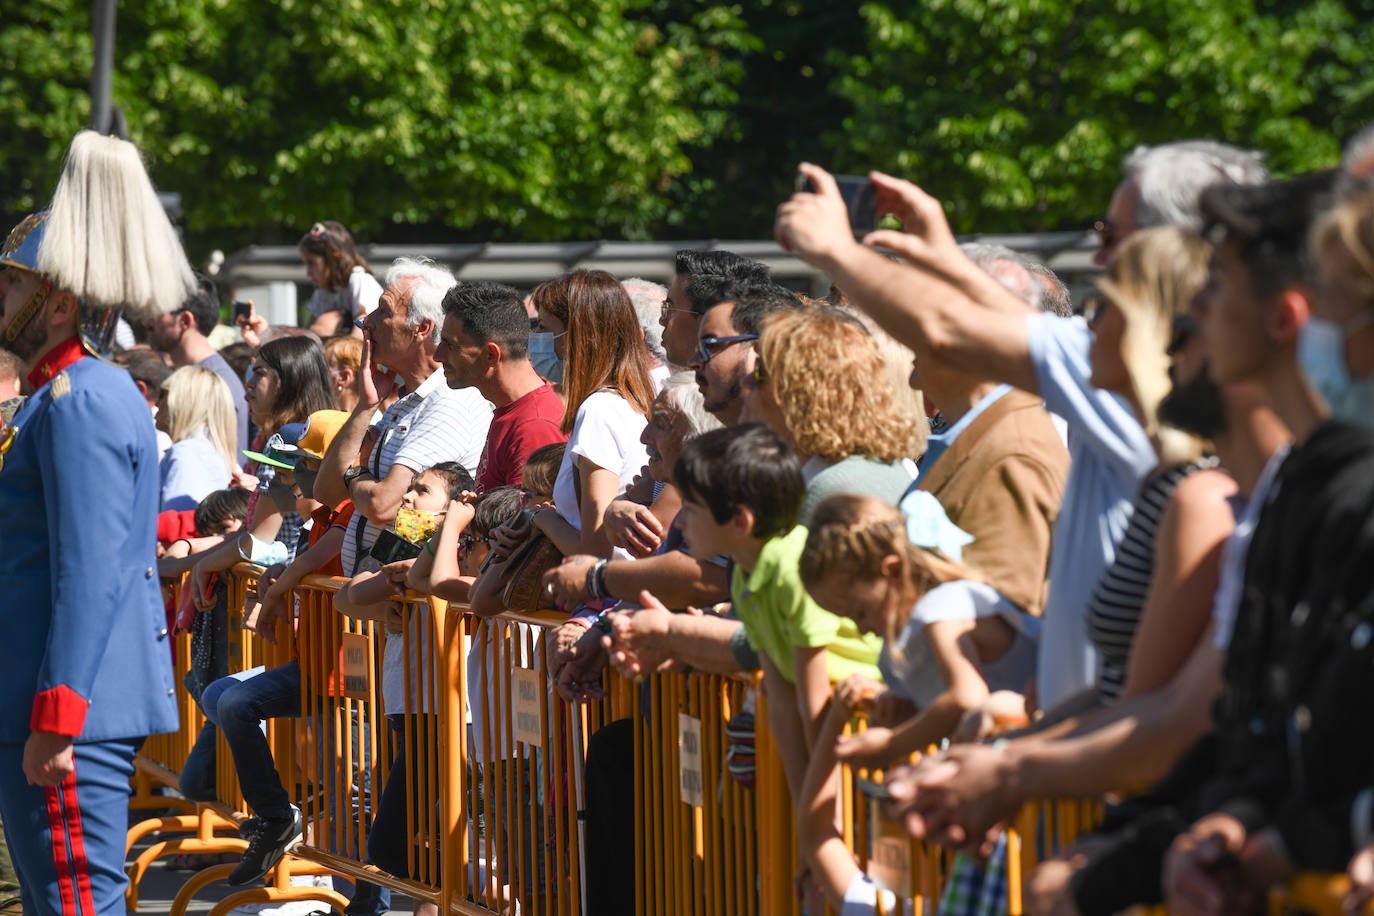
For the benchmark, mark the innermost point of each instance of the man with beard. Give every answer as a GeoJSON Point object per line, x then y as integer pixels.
{"type": "Point", "coordinates": [182, 335]}
{"type": "Point", "coordinates": [1135, 742]}
{"type": "Point", "coordinates": [725, 351]}
{"type": "Point", "coordinates": [78, 510]}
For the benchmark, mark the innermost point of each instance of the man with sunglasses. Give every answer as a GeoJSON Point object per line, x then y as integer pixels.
{"type": "Point", "coordinates": [1162, 184]}
{"type": "Point", "coordinates": [702, 279]}
{"type": "Point", "coordinates": [725, 352]}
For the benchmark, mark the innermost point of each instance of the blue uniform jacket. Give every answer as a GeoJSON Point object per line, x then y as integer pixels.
{"type": "Point", "coordinates": [83, 637]}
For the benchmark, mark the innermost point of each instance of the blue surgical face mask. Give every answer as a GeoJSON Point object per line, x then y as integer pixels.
{"type": "Point", "coordinates": [543, 356]}
{"type": "Point", "coordinates": [1321, 357]}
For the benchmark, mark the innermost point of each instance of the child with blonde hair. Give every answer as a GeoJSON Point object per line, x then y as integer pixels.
{"type": "Point", "coordinates": [950, 640]}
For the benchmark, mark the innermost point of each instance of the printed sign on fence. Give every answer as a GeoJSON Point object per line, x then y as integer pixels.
{"type": "Point", "coordinates": [354, 665]}
{"type": "Point", "coordinates": [529, 706]}
{"type": "Point", "coordinates": [689, 759]}
{"type": "Point", "coordinates": [890, 864]}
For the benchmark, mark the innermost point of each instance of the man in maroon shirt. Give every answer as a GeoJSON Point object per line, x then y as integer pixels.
{"type": "Point", "coordinates": [485, 345]}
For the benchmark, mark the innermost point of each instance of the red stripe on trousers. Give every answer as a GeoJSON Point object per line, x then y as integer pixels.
{"type": "Point", "coordinates": [78, 841]}
{"type": "Point", "coordinates": [73, 872]}
{"type": "Point", "coordinates": [57, 824]}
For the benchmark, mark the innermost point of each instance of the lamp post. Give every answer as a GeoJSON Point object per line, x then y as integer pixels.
{"type": "Point", "coordinates": [105, 116]}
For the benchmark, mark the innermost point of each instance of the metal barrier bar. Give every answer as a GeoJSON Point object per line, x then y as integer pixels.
{"type": "Point", "coordinates": [202, 826]}
{"type": "Point", "coordinates": [724, 849]}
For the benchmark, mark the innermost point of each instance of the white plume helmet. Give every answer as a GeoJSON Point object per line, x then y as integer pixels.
{"type": "Point", "coordinates": [108, 240]}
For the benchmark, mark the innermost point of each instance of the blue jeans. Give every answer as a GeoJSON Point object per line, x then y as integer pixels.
{"type": "Point", "coordinates": [197, 779]}
{"type": "Point", "coordinates": [237, 705]}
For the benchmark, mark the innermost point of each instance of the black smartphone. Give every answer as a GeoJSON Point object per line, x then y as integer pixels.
{"type": "Point", "coordinates": [872, 789]}
{"type": "Point", "coordinates": [242, 310]}
{"type": "Point", "coordinates": [391, 547]}
{"type": "Point", "coordinates": [860, 199]}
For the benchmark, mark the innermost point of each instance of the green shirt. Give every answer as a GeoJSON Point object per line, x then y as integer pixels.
{"type": "Point", "coordinates": [779, 616]}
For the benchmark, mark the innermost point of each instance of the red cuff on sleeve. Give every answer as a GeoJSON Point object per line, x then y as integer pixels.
{"type": "Point", "coordinates": [60, 710]}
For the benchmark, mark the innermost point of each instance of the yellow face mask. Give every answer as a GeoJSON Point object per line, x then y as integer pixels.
{"type": "Point", "coordinates": [417, 525]}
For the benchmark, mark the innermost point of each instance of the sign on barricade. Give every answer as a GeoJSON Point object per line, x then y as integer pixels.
{"type": "Point", "coordinates": [689, 760]}
{"type": "Point", "coordinates": [355, 656]}
{"type": "Point", "coordinates": [529, 707]}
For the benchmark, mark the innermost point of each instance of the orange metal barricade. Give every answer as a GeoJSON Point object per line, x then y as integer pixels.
{"type": "Point", "coordinates": [201, 830]}
{"type": "Point", "coordinates": [531, 746]}
{"type": "Point", "coordinates": [513, 752]}
{"type": "Point", "coordinates": [159, 762]}
{"type": "Point", "coordinates": [702, 822]}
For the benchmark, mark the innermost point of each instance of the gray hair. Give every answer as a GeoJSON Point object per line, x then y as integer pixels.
{"type": "Point", "coordinates": [429, 283]}
{"type": "Point", "coordinates": [1055, 296]}
{"type": "Point", "coordinates": [1006, 267]}
{"type": "Point", "coordinates": [1356, 164]}
{"type": "Point", "coordinates": [680, 392]}
{"type": "Point", "coordinates": [1171, 176]}
{"type": "Point", "coordinates": [1357, 159]}
{"type": "Point", "coordinates": [647, 298]}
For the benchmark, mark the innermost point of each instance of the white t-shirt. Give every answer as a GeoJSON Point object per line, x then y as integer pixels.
{"type": "Point", "coordinates": [359, 297]}
{"type": "Point", "coordinates": [395, 660]}
{"type": "Point", "coordinates": [658, 375]}
{"type": "Point", "coordinates": [912, 671]}
{"type": "Point", "coordinates": [606, 433]}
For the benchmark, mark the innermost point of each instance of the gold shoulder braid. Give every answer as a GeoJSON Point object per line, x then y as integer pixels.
{"type": "Point", "coordinates": [7, 435]}
{"type": "Point", "coordinates": [61, 386]}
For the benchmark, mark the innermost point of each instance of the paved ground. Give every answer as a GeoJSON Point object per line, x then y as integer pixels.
{"type": "Point", "coordinates": [161, 884]}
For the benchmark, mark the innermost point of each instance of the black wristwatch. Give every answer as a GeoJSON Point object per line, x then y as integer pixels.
{"type": "Point", "coordinates": [353, 474]}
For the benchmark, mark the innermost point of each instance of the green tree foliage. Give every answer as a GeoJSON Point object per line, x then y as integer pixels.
{"type": "Point", "coordinates": [786, 113]}
{"type": "Point", "coordinates": [432, 120]}
{"type": "Point", "coordinates": [1017, 112]}
{"type": "Point", "coordinates": [499, 118]}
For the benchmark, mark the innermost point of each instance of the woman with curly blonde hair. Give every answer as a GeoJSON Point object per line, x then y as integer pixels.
{"type": "Point", "coordinates": [820, 381]}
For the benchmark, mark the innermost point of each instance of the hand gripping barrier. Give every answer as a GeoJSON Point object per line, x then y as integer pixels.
{"type": "Point", "coordinates": [484, 808]}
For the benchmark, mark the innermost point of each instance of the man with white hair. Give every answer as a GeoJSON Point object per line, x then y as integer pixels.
{"type": "Point", "coordinates": [430, 422]}
{"type": "Point", "coordinates": [1162, 184]}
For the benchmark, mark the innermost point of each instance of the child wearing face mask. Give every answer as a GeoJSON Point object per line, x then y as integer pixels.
{"type": "Point", "coordinates": [375, 594]}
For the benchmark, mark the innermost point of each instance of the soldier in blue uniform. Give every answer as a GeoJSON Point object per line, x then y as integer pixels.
{"type": "Point", "coordinates": [85, 665]}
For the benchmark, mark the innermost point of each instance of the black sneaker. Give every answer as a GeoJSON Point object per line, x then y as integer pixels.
{"type": "Point", "coordinates": [271, 840]}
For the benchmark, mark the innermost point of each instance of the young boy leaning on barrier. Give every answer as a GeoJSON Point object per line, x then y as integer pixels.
{"type": "Point", "coordinates": [375, 594]}
{"type": "Point", "coordinates": [741, 494]}
{"type": "Point", "coordinates": [447, 570]}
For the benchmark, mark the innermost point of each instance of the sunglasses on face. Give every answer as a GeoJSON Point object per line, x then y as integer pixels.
{"type": "Point", "coordinates": [708, 347]}
{"type": "Point", "coordinates": [468, 541]}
